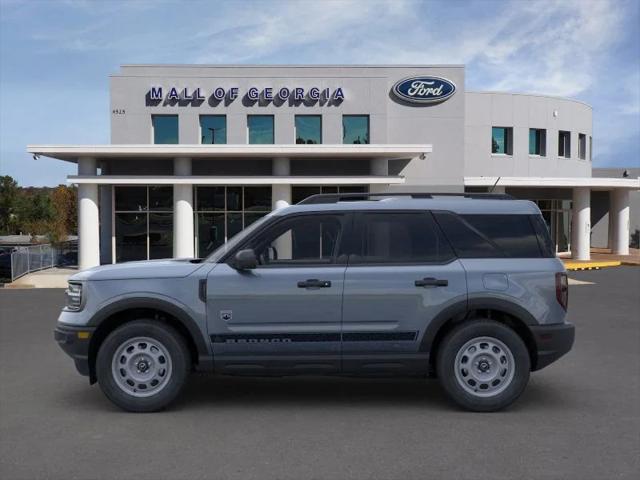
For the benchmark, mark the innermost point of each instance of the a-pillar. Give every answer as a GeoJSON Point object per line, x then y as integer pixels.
{"type": "Point", "coordinates": [581, 224]}
{"type": "Point", "coordinates": [88, 217]}
{"type": "Point", "coordinates": [619, 221]}
{"type": "Point", "coordinates": [183, 238]}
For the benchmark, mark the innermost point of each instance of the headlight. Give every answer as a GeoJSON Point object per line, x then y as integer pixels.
{"type": "Point", "coordinates": [73, 295]}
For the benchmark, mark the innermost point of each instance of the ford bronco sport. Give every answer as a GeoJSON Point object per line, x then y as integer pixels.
{"type": "Point", "coordinates": [464, 287]}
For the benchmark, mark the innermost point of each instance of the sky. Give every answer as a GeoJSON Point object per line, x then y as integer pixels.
{"type": "Point", "coordinates": [56, 56]}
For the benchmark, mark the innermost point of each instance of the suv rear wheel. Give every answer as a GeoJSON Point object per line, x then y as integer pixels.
{"type": "Point", "coordinates": [483, 365]}
{"type": "Point", "coordinates": [143, 365]}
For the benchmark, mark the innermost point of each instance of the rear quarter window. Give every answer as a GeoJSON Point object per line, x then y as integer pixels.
{"type": "Point", "coordinates": [492, 236]}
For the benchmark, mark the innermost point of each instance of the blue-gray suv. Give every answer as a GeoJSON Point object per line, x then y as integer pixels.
{"type": "Point", "coordinates": [463, 287]}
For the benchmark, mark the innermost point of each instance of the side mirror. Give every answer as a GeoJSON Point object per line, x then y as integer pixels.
{"type": "Point", "coordinates": [245, 260]}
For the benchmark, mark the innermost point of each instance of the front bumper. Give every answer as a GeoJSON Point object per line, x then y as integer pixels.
{"type": "Point", "coordinates": [75, 343]}
{"type": "Point", "coordinates": [552, 342]}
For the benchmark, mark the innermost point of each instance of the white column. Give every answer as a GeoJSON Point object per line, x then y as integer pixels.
{"type": "Point", "coordinates": [581, 224]}
{"type": "Point", "coordinates": [183, 238]}
{"type": "Point", "coordinates": [619, 221]}
{"type": "Point", "coordinates": [281, 198]}
{"type": "Point", "coordinates": [280, 194]}
{"type": "Point", "coordinates": [379, 167]}
{"type": "Point", "coordinates": [88, 218]}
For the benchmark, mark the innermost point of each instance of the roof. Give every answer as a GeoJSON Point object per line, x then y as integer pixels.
{"type": "Point", "coordinates": [451, 203]}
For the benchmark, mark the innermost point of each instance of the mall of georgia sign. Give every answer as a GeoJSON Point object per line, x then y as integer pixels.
{"type": "Point", "coordinates": [424, 90]}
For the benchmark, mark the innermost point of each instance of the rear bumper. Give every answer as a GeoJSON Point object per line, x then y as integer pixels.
{"type": "Point", "coordinates": [75, 343]}
{"type": "Point", "coordinates": [552, 342]}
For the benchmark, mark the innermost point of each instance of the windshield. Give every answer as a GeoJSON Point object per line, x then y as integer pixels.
{"type": "Point", "coordinates": [222, 250]}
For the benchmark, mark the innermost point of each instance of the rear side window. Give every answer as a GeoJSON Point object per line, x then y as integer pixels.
{"type": "Point", "coordinates": [398, 237]}
{"type": "Point", "coordinates": [492, 236]}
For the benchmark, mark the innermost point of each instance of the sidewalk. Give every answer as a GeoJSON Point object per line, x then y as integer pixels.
{"type": "Point", "coordinates": [602, 258]}
{"type": "Point", "coordinates": [49, 278]}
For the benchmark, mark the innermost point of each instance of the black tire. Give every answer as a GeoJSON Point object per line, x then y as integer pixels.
{"type": "Point", "coordinates": [451, 345]}
{"type": "Point", "coordinates": [176, 349]}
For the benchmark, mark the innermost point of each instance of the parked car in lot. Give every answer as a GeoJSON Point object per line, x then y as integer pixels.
{"type": "Point", "coordinates": [462, 287]}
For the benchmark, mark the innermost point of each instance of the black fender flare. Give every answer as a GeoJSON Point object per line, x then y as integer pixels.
{"type": "Point", "coordinates": [182, 316]}
{"type": "Point", "coordinates": [461, 308]}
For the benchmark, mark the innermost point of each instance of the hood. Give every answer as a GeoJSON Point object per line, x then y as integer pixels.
{"type": "Point", "coordinates": [140, 270]}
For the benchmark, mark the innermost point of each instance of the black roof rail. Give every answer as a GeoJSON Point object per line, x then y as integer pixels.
{"type": "Point", "coordinates": [354, 197]}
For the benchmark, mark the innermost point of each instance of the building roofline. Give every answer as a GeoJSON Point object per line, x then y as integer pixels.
{"type": "Point", "coordinates": [555, 97]}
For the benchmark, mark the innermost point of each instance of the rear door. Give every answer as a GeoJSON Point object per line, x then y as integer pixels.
{"type": "Point", "coordinates": [285, 315]}
{"type": "Point", "coordinates": [402, 274]}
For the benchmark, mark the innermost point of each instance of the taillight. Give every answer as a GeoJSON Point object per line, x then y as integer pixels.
{"type": "Point", "coordinates": [562, 289]}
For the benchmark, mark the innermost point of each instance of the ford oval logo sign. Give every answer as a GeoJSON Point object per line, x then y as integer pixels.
{"type": "Point", "coordinates": [424, 89]}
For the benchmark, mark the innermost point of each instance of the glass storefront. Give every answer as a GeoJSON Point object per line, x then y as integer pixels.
{"type": "Point", "coordinates": [143, 223]}
{"type": "Point", "coordinates": [300, 193]}
{"type": "Point", "coordinates": [557, 215]}
{"type": "Point", "coordinates": [221, 212]}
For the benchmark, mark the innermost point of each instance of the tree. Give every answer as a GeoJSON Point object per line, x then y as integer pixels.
{"type": "Point", "coordinates": [9, 191]}
{"type": "Point", "coordinates": [64, 221]}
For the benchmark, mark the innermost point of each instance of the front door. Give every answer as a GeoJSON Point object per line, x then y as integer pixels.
{"type": "Point", "coordinates": [284, 315]}
{"type": "Point", "coordinates": [403, 274]}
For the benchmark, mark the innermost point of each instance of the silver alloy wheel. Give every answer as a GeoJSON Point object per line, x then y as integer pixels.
{"type": "Point", "coordinates": [141, 366]}
{"type": "Point", "coordinates": [484, 366]}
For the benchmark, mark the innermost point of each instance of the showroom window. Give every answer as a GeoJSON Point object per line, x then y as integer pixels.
{"type": "Point", "coordinates": [143, 223]}
{"type": "Point", "coordinates": [355, 129]}
{"type": "Point", "coordinates": [502, 140]}
{"type": "Point", "coordinates": [538, 142]}
{"type": "Point", "coordinates": [213, 129]}
{"type": "Point", "coordinates": [260, 129]}
{"type": "Point", "coordinates": [165, 129]}
{"type": "Point", "coordinates": [308, 129]}
{"type": "Point", "coordinates": [582, 146]}
{"type": "Point", "coordinates": [221, 212]}
{"type": "Point", "coordinates": [564, 144]}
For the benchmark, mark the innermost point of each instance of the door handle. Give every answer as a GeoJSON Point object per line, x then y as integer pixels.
{"type": "Point", "coordinates": [314, 283]}
{"type": "Point", "coordinates": [431, 282]}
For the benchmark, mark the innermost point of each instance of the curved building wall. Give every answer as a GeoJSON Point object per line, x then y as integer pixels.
{"type": "Point", "coordinates": [520, 113]}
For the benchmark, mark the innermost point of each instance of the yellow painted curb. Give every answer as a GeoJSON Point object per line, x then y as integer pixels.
{"type": "Point", "coordinates": [590, 265]}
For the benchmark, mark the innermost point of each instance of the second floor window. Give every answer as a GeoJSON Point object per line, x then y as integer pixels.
{"type": "Point", "coordinates": [564, 144]}
{"type": "Point", "coordinates": [308, 129]}
{"type": "Point", "coordinates": [260, 129]}
{"type": "Point", "coordinates": [165, 129]}
{"type": "Point", "coordinates": [213, 129]}
{"type": "Point", "coordinates": [582, 146]}
{"type": "Point", "coordinates": [355, 129]}
{"type": "Point", "coordinates": [537, 141]}
{"type": "Point", "coordinates": [502, 140]}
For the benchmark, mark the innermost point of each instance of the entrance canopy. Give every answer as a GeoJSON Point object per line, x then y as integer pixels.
{"type": "Point", "coordinates": [593, 183]}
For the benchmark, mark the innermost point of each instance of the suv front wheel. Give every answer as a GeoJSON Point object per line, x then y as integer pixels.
{"type": "Point", "coordinates": [483, 365]}
{"type": "Point", "coordinates": [143, 365]}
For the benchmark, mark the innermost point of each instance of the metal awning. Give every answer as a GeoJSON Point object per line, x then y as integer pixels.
{"type": "Point", "coordinates": [596, 183]}
{"type": "Point", "coordinates": [233, 180]}
{"type": "Point", "coordinates": [71, 153]}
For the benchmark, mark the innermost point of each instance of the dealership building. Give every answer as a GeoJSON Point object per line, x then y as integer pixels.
{"type": "Point", "coordinates": [199, 152]}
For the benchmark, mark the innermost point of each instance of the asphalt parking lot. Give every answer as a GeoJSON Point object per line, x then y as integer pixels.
{"type": "Point", "coordinates": [579, 418]}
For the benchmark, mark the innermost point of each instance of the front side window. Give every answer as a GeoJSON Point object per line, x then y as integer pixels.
{"type": "Point", "coordinates": [564, 144]}
{"type": "Point", "coordinates": [396, 238]}
{"type": "Point", "coordinates": [213, 129]}
{"type": "Point", "coordinates": [165, 129]}
{"type": "Point", "coordinates": [502, 140]}
{"type": "Point", "coordinates": [261, 129]}
{"type": "Point", "coordinates": [299, 240]}
{"type": "Point", "coordinates": [582, 146]}
{"type": "Point", "coordinates": [537, 141]}
{"type": "Point", "coordinates": [355, 129]}
{"type": "Point", "coordinates": [308, 129]}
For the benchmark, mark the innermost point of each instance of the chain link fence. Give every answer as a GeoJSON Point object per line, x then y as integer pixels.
{"type": "Point", "coordinates": [37, 257]}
